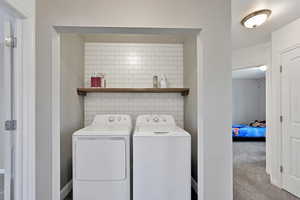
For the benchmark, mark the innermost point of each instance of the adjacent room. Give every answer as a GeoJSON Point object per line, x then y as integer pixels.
{"type": "Point", "coordinates": [249, 131]}
{"type": "Point", "coordinates": [249, 103]}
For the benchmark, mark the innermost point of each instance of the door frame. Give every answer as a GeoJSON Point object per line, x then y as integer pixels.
{"type": "Point", "coordinates": [268, 110]}
{"type": "Point", "coordinates": [25, 97]}
{"type": "Point", "coordinates": [56, 65]}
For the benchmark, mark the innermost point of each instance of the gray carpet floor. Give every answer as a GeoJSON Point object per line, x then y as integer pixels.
{"type": "Point", "coordinates": [251, 181]}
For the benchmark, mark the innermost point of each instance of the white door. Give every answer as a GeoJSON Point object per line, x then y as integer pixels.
{"type": "Point", "coordinates": [6, 109]}
{"type": "Point", "coordinates": [290, 96]}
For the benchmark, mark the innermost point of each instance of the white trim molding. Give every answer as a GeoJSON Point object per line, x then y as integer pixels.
{"type": "Point", "coordinates": [66, 190]}
{"type": "Point", "coordinates": [200, 107]}
{"type": "Point", "coordinates": [55, 115]}
{"type": "Point", "coordinates": [28, 108]}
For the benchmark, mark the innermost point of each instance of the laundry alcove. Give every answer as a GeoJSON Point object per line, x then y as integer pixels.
{"type": "Point", "coordinates": [129, 58]}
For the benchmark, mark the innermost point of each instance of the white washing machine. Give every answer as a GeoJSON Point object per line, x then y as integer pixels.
{"type": "Point", "coordinates": [101, 159]}
{"type": "Point", "coordinates": [161, 159]}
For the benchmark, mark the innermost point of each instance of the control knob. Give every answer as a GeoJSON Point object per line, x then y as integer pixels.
{"type": "Point", "coordinates": [111, 119]}
{"type": "Point", "coordinates": [156, 119]}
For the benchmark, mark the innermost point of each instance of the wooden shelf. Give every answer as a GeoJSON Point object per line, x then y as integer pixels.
{"type": "Point", "coordinates": [84, 91]}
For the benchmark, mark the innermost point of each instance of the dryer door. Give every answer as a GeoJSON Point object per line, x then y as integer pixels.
{"type": "Point", "coordinates": [100, 158]}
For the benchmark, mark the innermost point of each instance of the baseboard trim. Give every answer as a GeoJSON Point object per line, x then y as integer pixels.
{"type": "Point", "coordinates": [66, 190]}
{"type": "Point", "coordinates": [194, 185]}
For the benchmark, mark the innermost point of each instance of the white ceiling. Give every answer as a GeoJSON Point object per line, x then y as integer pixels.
{"type": "Point", "coordinates": [249, 73]}
{"type": "Point", "coordinates": [283, 12]}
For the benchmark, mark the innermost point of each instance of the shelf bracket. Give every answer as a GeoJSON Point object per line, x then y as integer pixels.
{"type": "Point", "coordinates": [185, 93]}
{"type": "Point", "coordinates": [81, 93]}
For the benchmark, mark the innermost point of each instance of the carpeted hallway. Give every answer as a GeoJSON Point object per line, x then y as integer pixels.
{"type": "Point", "coordinates": [250, 179]}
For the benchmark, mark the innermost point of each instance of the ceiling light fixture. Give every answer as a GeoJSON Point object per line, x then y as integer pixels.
{"type": "Point", "coordinates": [256, 18]}
{"type": "Point", "coordinates": [263, 68]}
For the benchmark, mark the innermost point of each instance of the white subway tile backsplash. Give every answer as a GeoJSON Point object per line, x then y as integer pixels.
{"type": "Point", "coordinates": [129, 65]}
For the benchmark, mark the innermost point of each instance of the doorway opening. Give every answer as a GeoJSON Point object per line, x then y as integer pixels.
{"type": "Point", "coordinates": [249, 130]}
{"type": "Point", "coordinates": [251, 154]}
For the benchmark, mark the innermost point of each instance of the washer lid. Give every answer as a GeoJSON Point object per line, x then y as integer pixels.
{"type": "Point", "coordinates": [160, 131]}
{"type": "Point", "coordinates": [95, 130]}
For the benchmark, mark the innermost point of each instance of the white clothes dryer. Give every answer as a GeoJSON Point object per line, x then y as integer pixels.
{"type": "Point", "coordinates": [101, 159]}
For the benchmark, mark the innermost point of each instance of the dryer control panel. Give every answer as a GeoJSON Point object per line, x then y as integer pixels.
{"type": "Point", "coordinates": [114, 119]}
{"type": "Point", "coordinates": [149, 120]}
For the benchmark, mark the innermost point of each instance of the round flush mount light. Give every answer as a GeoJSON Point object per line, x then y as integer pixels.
{"type": "Point", "coordinates": [256, 18]}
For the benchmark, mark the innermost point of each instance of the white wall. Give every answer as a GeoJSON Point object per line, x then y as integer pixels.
{"type": "Point", "coordinates": [248, 100]}
{"type": "Point", "coordinates": [72, 114]}
{"type": "Point", "coordinates": [282, 39]}
{"type": "Point", "coordinates": [252, 56]}
{"type": "Point", "coordinates": [191, 101]}
{"type": "Point", "coordinates": [213, 16]}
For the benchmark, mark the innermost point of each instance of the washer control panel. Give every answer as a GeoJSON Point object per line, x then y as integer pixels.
{"type": "Point", "coordinates": [146, 120]}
